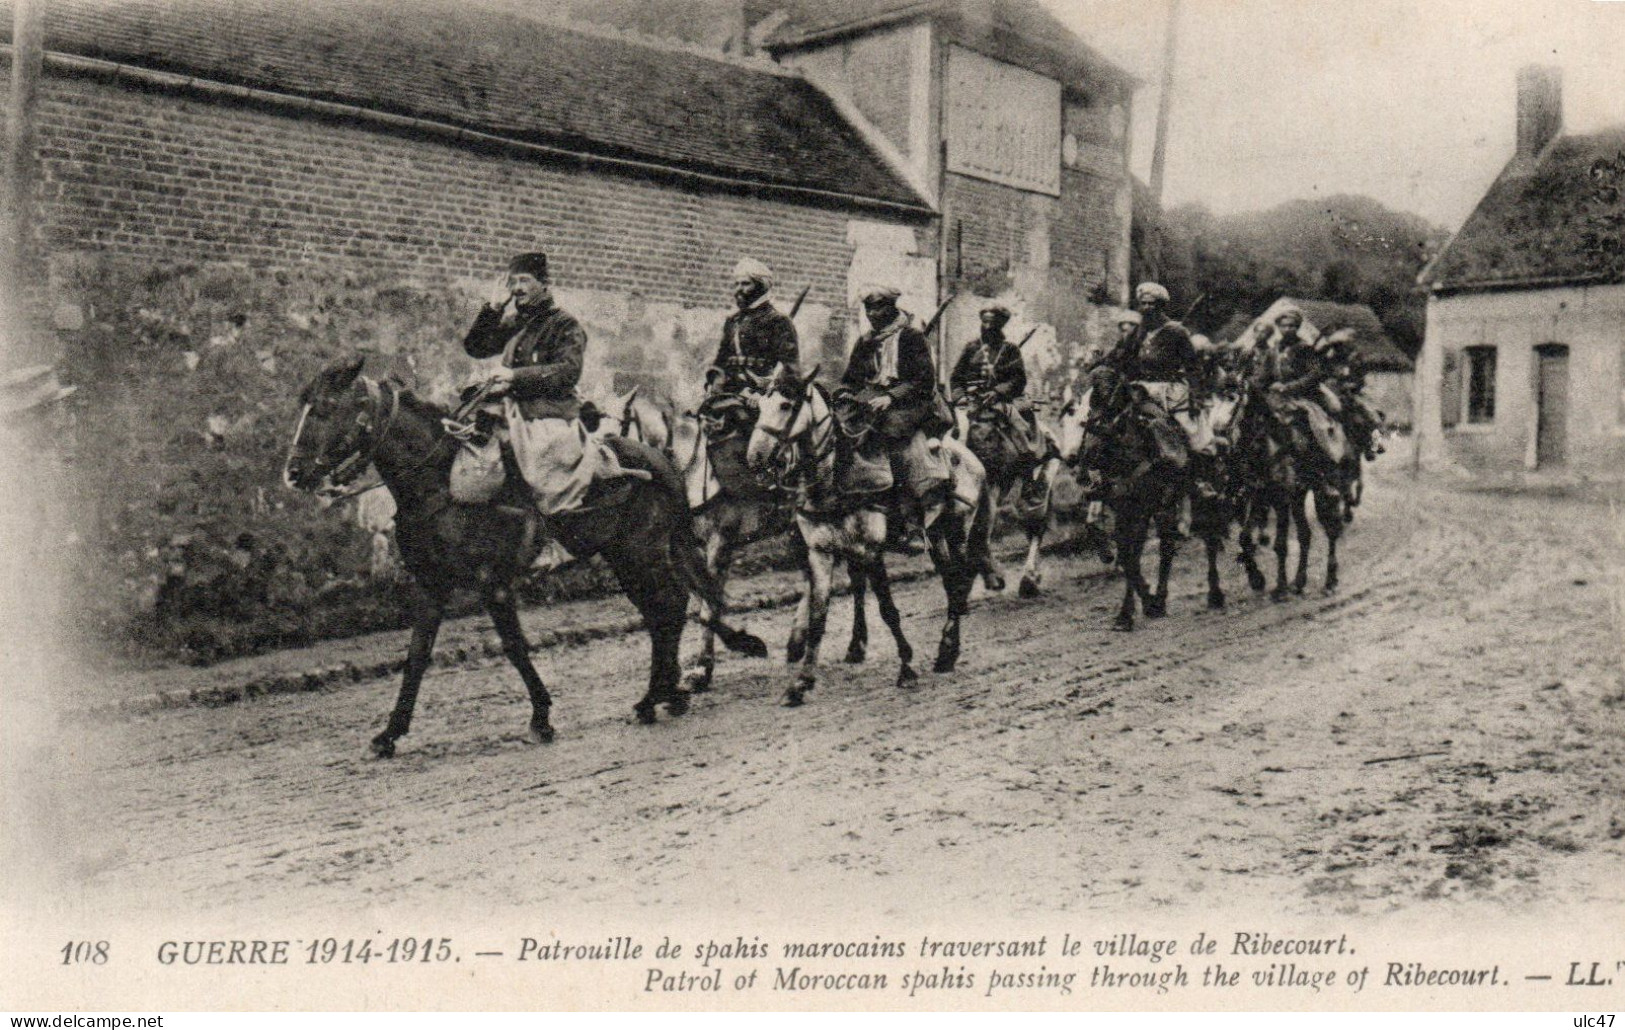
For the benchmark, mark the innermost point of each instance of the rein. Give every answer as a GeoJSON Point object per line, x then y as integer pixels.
{"type": "Point", "coordinates": [788, 473]}
{"type": "Point", "coordinates": [373, 439]}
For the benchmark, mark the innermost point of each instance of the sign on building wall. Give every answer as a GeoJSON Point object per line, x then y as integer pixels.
{"type": "Point", "coordinates": [1004, 123]}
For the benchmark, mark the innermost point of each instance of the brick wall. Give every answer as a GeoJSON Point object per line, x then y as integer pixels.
{"type": "Point", "coordinates": [163, 176]}
{"type": "Point", "coordinates": [205, 258]}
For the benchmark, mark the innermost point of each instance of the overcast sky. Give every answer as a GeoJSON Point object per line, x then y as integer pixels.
{"type": "Point", "coordinates": [1407, 101]}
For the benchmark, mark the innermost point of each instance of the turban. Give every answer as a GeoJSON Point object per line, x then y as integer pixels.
{"type": "Point", "coordinates": [881, 292]}
{"type": "Point", "coordinates": [1128, 318]}
{"type": "Point", "coordinates": [534, 264]}
{"type": "Point", "coordinates": [1343, 337]}
{"type": "Point", "coordinates": [1290, 310]}
{"type": "Point", "coordinates": [1156, 291]}
{"type": "Point", "coordinates": [996, 309]}
{"type": "Point", "coordinates": [754, 270]}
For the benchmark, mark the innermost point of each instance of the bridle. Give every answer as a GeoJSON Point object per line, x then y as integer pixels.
{"type": "Point", "coordinates": [785, 472]}
{"type": "Point", "coordinates": [335, 484]}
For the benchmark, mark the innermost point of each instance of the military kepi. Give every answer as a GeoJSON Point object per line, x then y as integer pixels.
{"type": "Point", "coordinates": [532, 264]}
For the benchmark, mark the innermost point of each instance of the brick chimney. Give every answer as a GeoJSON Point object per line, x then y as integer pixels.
{"type": "Point", "coordinates": [1540, 108]}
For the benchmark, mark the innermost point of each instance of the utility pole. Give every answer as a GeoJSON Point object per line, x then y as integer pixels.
{"type": "Point", "coordinates": [21, 162]}
{"type": "Point", "coordinates": [1159, 151]}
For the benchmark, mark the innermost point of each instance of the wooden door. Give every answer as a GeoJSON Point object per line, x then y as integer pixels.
{"type": "Point", "coordinates": [1552, 405]}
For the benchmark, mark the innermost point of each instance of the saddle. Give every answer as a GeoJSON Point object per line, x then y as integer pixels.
{"type": "Point", "coordinates": [1309, 429]}
{"type": "Point", "coordinates": [1172, 446]}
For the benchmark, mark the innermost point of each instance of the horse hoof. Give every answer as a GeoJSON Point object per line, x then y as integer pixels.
{"type": "Point", "coordinates": [645, 714]}
{"type": "Point", "coordinates": [1297, 588]}
{"type": "Point", "coordinates": [383, 747]}
{"type": "Point", "coordinates": [677, 704]}
{"type": "Point", "coordinates": [1278, 595]}
{"type": "Point", "coordinates": [1029, 588]}
{"type": "Point", "coordinates": [1331, 586]}
{"type": "Point", "coordinates": [855, 655]}
{"type": "Point", "coordinates": [540, 733]}
{"type": "Point", "coordinates": [1156, 609]}
{"type": "Point", "coordinates": [993, 581]}
{"type": "Point", "coordinates": [1123, 624]}
{"type": "Point", "coordinates": [699, 681]}
{"type": "Point", "coordinates": [1215, 602]}
{"type": "Point", "coordinates": [907, 678]}
{"type": "Point", "coordinates": [945, 663]}
{"type": "Point", "coordinates": [1256, 580]}
{"type": "Point", "coordinates": [793, 699]}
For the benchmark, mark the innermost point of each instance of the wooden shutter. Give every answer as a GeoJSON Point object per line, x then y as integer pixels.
{"type": "Point", "coordinates": [1450, 389]}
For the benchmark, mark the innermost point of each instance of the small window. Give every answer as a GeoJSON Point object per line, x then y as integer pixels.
{"type": "Point", "coordinates": [1480, 384]}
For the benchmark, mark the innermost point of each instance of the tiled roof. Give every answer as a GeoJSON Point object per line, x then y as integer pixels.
{"type": "Point", "coordinates": [1530, 229]}
{"type": "Point", "coordinates": [808, 20]}
{"type": "Point", "coordinates": [498, 71]}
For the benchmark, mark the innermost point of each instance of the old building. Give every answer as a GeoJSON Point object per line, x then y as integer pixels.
{"type": "Point", "coordinates": [1389, 374]}
{"type": "Point", "coordinates": [1015, 130]}
{"type": "Point", "coordinates": [230, 190]}
{"type": "Point", "coordinates": [1523, 366]}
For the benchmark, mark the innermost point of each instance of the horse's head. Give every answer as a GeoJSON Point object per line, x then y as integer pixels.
{"type": "Point", "coordinates": [784, 413]}
{"type": "Point", "coordinates": [1224, 414]}
{"type": "Point", "coordinates": [1078, 411]}
{"type": "Point", "coordinates": [1070, 424]}
{"type": "Point", "coordinates": [336, 415]}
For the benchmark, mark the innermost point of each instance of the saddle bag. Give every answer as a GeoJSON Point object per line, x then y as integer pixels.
{"type": "Point", "coordinates": [477, 473]}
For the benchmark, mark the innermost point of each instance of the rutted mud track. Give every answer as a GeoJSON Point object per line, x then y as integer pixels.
{"type": "Point", "coordinates": [1444, 727]}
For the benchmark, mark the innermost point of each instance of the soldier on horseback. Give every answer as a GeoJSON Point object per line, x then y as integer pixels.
{"type": "Point", "coordinates": [756, 338]}
{"type": "Point", "coordinates": [1159, 358]}
{"type": "Point", "coordinates": [888, 399]}
{"type": "Point", "coordinates": [990, 377]}
{"type": "Point", "coordinates": [1343, 392]}
{"type": "Point", "coordinates": [542, 349]}
{"type": "Point", "coordinates": [1290, 374]}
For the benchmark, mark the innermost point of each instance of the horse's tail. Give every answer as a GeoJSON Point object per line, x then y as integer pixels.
{"type": "Point", "coordinates": [689, 558]}
{"type": "Point", "coordinates": [686, 552]}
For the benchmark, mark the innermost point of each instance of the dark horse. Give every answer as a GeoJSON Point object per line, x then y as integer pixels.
{"type": "Point", "coordinates": [643, 531]}
{"type": "Point", "coordinates": [1281, 465]}
{"type": "Point", "coordinates": [1101, 430]}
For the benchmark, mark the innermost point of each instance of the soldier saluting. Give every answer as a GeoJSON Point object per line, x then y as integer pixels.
{"type": "Point", "coordinates": [542, 348]}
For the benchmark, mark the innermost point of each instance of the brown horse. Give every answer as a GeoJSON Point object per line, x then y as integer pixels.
{"type": "Point", "coordinates": [1279, 467]}
{"type": "Point", "coordinates": [1102, 431]}
{"type": "Point", "coordinates": [642, 528]}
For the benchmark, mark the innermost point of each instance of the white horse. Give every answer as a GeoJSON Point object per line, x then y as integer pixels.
{"type": "Point", "coordinates": [724, 520]}
{"type": "Point", "coordinates": [795, 438]}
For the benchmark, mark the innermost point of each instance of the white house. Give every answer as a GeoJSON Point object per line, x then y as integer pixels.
{"type": "Point", "coordinates": [1523, 364]}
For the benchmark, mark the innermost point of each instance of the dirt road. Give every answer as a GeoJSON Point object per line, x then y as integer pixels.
{"type": "Point", "coordinates": [1444, 728]}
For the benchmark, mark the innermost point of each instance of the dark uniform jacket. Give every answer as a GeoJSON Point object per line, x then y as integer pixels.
{"type": "Point", "coordinates": [1162, 355]}
{"type": "Point", "coordinates": [912, 392]}
{"type": "Point", "coordinates": [1299, 368]}
{"type": "Point", "coordinates": [548, 346]}
{"type": "Point", "coordinates": [994, 365]}
{"type": "Point", "coordinates": [758, 338]}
